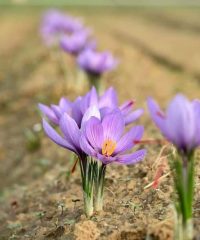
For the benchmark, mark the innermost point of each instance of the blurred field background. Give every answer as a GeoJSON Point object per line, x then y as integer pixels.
{"type": "Point", "coordinates": [159, 52]}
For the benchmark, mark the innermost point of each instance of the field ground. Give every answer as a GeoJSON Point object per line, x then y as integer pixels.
{"type": "Point", "coordinates": [159, 52]}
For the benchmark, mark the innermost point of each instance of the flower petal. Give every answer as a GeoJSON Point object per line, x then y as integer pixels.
{"type": "Point", "coordinates": [70, 130]}
{"type": "Point", "coordinates": [109, 99]}
{"type": "Point", "coordinates": [94, 133]}
{"type": "Point", "coordinates": [126, 107]}
{"type": "Point", "coordinates": [76, 111]}
{"type": "Point", "coordinates": [84, 103]}
{"type": "Point", "coordinates": [105, 111]}
{"type": "Point", "coordinates": [92, 111]}
{"type": "Point", "coordinates": [104, 159]}
{"type": "Point", "coordinates": [65, 105]}
{"type": "Point", "coordinates": [56, 110]}
{"type": "Point", "coordinates": [49, 113]}
{"type": "Point", "coordinates": [157, 115]}
{"type": "Point", "coordinates": [133, 116]}
{"type": "Point", "coordinates": [93, 97]}
{"type": "Point", "coordinates": [90, 99]}
{"type": "Point", "coordinates": [55, 137]}
{"type": "Point", "coordinates": [127, 141]}
{"type": "Point", "coordinates": [196, 107]}
{"type": "Point", "coordinates": [132, 158]}
{"type": "Point", "coordinates": [113, 125]}
{"type": "Point", "coordinates": [86, 147]}
{"type": "Point", "coordinates": [180, 122]}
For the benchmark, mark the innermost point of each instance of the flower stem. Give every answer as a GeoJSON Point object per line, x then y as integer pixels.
{"type": "Point", "coordinates": [98, 204]}
{"type": "Point", "coordinates": [183, 231]}
{"type": "Point", "coordinates": [100, 170]}
{"type": "Point", "coordinates": [95, 80]}
{"type": "Point", "coordinates": [183, 168]}
{"type": "Point", "coordinates": [87, 175]}
{"type": "Point", "coordinates": [88, 204]}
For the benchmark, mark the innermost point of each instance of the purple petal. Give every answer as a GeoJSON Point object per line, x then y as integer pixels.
{"type": "Point", "coordinates": [127, 141]}
{"type": "Point", "coordinates": [90, 99]}
{"type": "Point", "coordinates": [76, 111]}
{"type": "Point", "coordinates": [92, 111]}
{"type": "Point", "coordinates": [132, 158]}
{"type": "Point", "coordinates": [105, 159]}
{"type": "Point", "coordinates": [157, 115]}
{"type": "Point", "coordinates": [126, 107]}
{"type": "Point", "coordinates": [84, 103]}
{"type": "Point", "coordinates": [94, 133]}
{"type": "Point", "coordinates": [109, 99]}
{"type": "Point", "coordinates": [48, 112]}
{"type": "Point", "coordinates": [56, 110]}
{"type": "Point", "coordinates": [133, 116]}
{"type": "Point", "coordinates": [55, 137]}
{"type": "Point", "coordinates": [105, 111]}
{"type": "Point", "coordinates": [196, 107]}
{"type": "Point", "coordinates": [70, 130]}
{"type": "Point", "coordinates": [93, 97]}
{"type": "Point", "coordinates": [113, 125]}
{"type": "Point", "coordinates": [180, 122]}
{"type": "Point", "coordinates": [65, 105]}
{"type": "Point", "coordinates": [85, 146]}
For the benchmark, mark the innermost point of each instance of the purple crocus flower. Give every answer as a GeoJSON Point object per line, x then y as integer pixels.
{"type": "Point", "coordinates": [100, 140]}
{"type": "Point", "coordinates": [76, 42]}
{"type": "Point", "coordinates": [180, 124]}
{"type": "Point", "coordinates": [105, 103]}
{"type": "Point", "coordinates": [95, 62]}
{"type": "Point", "coordinates": [55, 24]}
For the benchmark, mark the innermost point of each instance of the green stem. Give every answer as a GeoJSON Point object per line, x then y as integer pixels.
{"type": "Point", "coordinates": [88, 204]}
{"type": "Point", "coordinates": [183, 231]}
{"type": "Point", "coordinates": [95, 80]}
{"type": "Point", "coordinates": [87, 175]}
{"type": "Point", "coordinates": [183, 167]}
{"type": "Point", "coordinates": [98, 203]}
{"type": "Point", "coordinates": [99, 186]}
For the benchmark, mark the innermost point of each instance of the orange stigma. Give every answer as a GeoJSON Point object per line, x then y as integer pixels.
{"type": "Point", "coordinates": [108, 147]}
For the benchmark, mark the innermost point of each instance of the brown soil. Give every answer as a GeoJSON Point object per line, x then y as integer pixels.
{"type": "Point", "coordinates": [39, 197]}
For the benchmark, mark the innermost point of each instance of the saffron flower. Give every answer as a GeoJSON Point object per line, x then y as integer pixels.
{"type": "Point", "coordinates": [76, 42]}
{"type": "Point", "coordinates": [75, 119]}
{"type": "Point", "coordinates": [181, 126]}
{"type": "Point", "coordinates": [95, 64]}
{"type": "Point", "coordinates": [105, 103]}
{"type": "Point", "coordinates": [55, 24]}
{"type": "Point", "coordinates": [101, 141]}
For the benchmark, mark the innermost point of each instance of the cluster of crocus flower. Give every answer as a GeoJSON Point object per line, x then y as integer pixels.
{"type": "Point", "coordinates": [93, 126]}
{"type": "Point", "coordinates": [181, 126]}
{"type": "Point", "coordinates": [88, 128]}
{"type": "Point", "coordinates": [70, 35]}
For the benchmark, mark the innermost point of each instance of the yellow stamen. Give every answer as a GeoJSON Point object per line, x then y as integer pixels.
{"type": "Point", "coordinates": [108, 147]}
